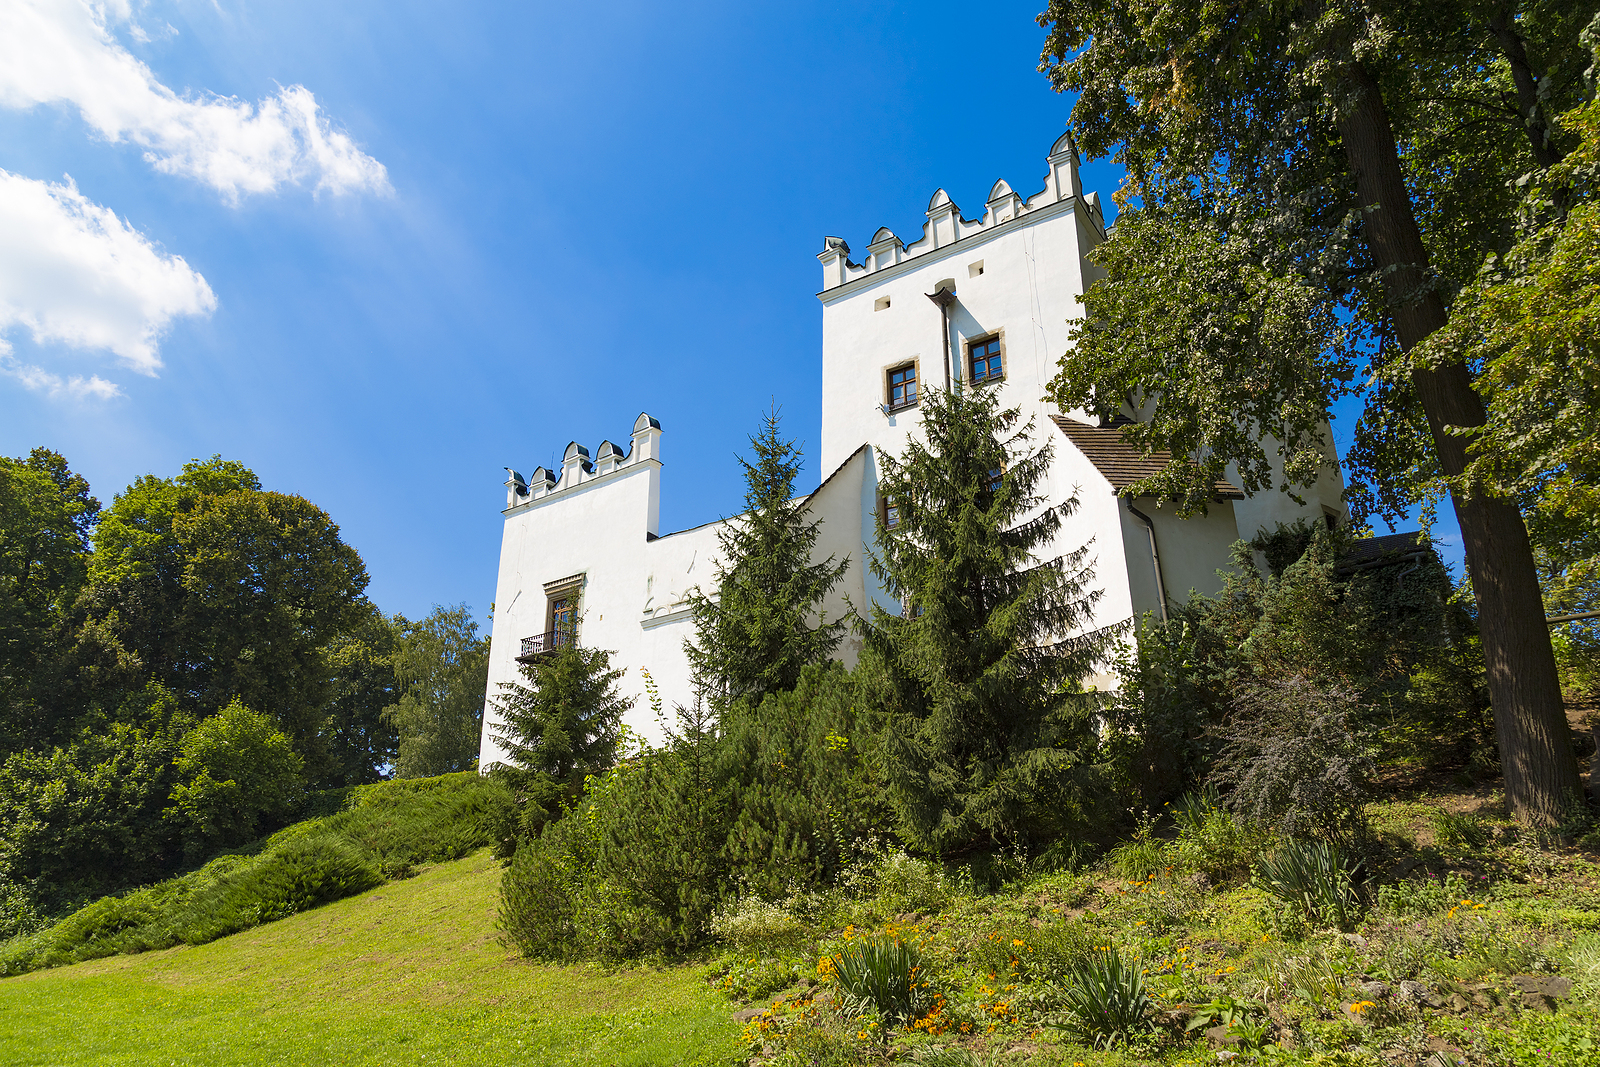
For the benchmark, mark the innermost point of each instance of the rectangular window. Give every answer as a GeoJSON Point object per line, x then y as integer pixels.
{"type": "Point", "coordinates": [891, 513]}
{"type": "Point", "coordinates": [992, 482]}
{"type": "Point", "coordinates": [563, 621]}
{"type": "Point", "coordinates": [983, 360]}
{"type": "Point", "coordinates": [902, 386]}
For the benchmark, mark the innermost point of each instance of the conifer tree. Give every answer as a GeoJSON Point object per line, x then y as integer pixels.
{"type": "Point", "coordinates": [756, 633]}
{"type": "Point", "coordinates": [564, 725]}
{"type": "Point", "coordinates": [987, 735]}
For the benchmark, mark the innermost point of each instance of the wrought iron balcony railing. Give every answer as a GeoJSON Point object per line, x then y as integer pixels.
{"type": "Point", "coordinates": [539, 644]}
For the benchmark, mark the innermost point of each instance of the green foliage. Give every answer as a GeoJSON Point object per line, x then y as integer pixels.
{"type": "Point", "coordinates": [360, 744]}
{"type": "Point", "coordinates": [1295, 760]}
{"type": "Point", "coordinates": [220, 590]}
{"type": "Point", "coordinates": [1312, 877]}
{"type": "Point", "coordinates": [756, 925]}
{"type": "Point", "coordinates": [634, 867]}
{"type": "Point", "coordinates": [561, 727]}
{"type": "Point", "coordinates": [1051, 952]}
{"type": "Point", "coordinates": [90, 818]}
{"type": "Point", "coordinates": [441, 669]}
{"type": "Point", "coordinates": [882, 974]}
{"type": "Point", "coordinates": [755, 634]}
{"type": "Point", "coordinates": [1138, 858]}
{"type": "Point", "coordinates": [1213, 840]}
{"type": "Point", "coordinates": [46, 515]}
{"type": "Point", "coordinates": [1106, 1002]}
{"type": "Point", "coordinates": [801, 780]}
{"type": "Point", "coordinates": [239, 775]}
{"type": "Point", "coordinates": [976, 679]}
{"type": "Point", "coordinates": [385, 831]}
{"type": "Point", "coordinates": [1457, 833]}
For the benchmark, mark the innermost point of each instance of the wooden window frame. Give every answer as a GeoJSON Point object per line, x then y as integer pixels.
{"type": "Point", "coordinates": [914, 366]}
{"type": "Point", "coordinates": [998, 339]}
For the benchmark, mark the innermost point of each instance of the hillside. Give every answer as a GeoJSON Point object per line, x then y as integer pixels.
{"type": "Point", "coordinates": [408, 973]}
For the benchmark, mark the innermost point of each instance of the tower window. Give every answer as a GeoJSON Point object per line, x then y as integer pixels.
{"type": "Point", "coordinates": [974, 269]}
{"type": "Point", "coordinates": [881, 304]}
{"type": "Point", "coordinates": [983, 360]}
{"type": "Point", "coordinates": [890, 512]}
{"type": "Point", "coordinates": [902, 386]}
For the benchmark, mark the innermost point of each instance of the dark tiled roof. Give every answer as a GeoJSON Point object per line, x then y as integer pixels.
{"type": "Point", "coordinates": [1373, 549]}
{"type": "Point", "coordinates": [1122, 463]}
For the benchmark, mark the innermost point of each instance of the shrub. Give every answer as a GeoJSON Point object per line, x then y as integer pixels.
{"type": "Point", "coordinates": [883, 974]}
{"type": "Point", "coordinates": [905, 883]}
{"type": "Point", "coordinates": [1106, 1001]}
{"type": "Point", "coordinates": [1295, 760]}
{"type": "Point", "coordinates": [407, 823]}
{"type": "Point", "coordinates": [1457, 833]}
{"type": "Point", "coordinates": [1139, 858]}
{"type": "Point", "coordinates": [296, 876]}
{"type": "Point", "coordinates": [17, 912]}
{"type": "Point", "coordinates": [240, 775]}
{"type": "Point", "coordinates": [1216, 843]}
{"type": "Point", "coordinates": [1313, 877]}
{"type": "Point", "coordinates": [755, 925]}
{"type": "Point", "coordinates": [539, 890]}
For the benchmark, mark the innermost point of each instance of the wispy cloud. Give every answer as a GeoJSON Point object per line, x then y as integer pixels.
{"type": "Point", "coordinates": [74, 273]}
{"type": "Point", "coordinates": [63, 52]}
{"type": "Point", "coordinates": [42, 381]}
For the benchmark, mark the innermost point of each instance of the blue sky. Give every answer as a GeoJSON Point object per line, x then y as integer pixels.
{"type": "Point", "coordinates": [379, 252]}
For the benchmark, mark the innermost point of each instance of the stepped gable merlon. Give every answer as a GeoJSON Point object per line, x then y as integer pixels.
{"type": "Point", "coordinates": [945, 225]}
{"type": "Point", "coordinates": [577, 468]}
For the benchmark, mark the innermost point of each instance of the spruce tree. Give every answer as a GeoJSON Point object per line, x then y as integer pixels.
{"type": "Point", "coordinates": [562, 726]}
{"type": "Point", "coordinates": [987, 735]}
{"type": "Point", "coordinates": [755, 634]}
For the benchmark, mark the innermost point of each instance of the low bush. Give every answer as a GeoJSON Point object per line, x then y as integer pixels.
{"type": "Point", "coordinates": [1138, 858]}
{"type": "Point", "coordinates": [385, 830]}
{"type": "Point", "coordinates": [1457, 833]}
{"type": "Point", "coordinates": [1312, 877]}
{"type": "Point", "coordinates": [1217, 844]}
{"type": "Point", "coordinates": [756, 925]}
{"type": "Point", "coordinates": [1106, 1001]}
{"type": "Point", "coordinates": [883, 974]}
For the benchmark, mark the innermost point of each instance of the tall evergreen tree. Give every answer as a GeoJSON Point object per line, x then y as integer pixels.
{"type": "Point", "coordinates": [756, 632]}
{"type": "Point", "coordinates": [987, 736]}
{"type": "Point", "coordinates": [563, 725]}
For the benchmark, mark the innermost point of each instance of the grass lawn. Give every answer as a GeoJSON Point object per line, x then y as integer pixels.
{"type": "Point", "coordinates": [409, 973]}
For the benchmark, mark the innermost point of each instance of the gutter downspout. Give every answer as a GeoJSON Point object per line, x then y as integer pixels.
{"type": "Point", "coordinates": [1155, 557]}
{"type": "Point", "coordinates": [944, 298]}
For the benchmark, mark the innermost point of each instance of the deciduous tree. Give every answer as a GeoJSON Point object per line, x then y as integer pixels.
{"type": "Point", "coordinates": [1352, 159]}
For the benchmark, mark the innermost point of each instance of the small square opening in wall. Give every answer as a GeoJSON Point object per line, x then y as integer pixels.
{"type": "Point", "coordinates": [881, 304]}
{"type": "Point", "coordinates": [974, 269]}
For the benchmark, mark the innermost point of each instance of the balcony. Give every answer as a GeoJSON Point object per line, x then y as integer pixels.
{"type": "Point", "coordinates": [543, 644]}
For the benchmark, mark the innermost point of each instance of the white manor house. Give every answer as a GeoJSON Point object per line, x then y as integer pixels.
{"type": "Point", "coordinates": [985, 301]}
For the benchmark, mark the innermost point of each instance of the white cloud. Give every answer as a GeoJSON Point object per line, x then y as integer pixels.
{"type": "Point", "coordinates": [42, 381]}
{"type": "Point", "coordinates": [72, 272]}
{"type": "Point", "coordinates": [63, 52]}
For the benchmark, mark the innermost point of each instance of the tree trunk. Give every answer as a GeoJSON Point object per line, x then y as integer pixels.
{"type": "Point", "coordinates": [1530, 724]}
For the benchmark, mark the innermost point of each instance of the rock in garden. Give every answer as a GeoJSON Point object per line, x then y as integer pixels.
{"type": "Point", "coordinates": [1222, 1037]}
{"type": "Point", "coordinates": [1375, 990]}
{"type": "Point", "coordinates": [1544, 985]}
{"type": "Point", "coordinates": [747, 1014]}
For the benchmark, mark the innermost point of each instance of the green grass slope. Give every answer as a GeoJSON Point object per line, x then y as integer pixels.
{"type": "Point", "coordinates": [409, 973]}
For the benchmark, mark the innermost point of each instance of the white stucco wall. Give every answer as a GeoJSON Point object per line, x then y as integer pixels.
{"type": "Point", "coordinates": [600, 518]}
